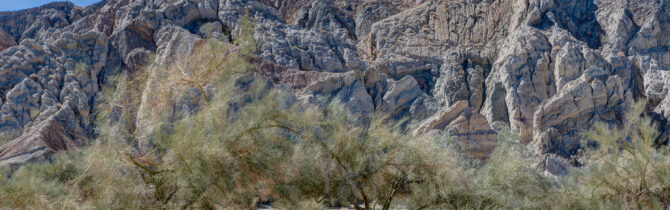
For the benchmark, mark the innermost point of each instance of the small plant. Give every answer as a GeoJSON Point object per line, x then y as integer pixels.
{"type": "Point", "coordinates": [341, 163]}
{"type": "Point", "coordinates": [81, 69]}
{"type": "Point", "coordinates": [245, 39]}
{"type": "Point", "coordinates": [510, 179]}
{"type": "Point", "coordinates": [34, 113]}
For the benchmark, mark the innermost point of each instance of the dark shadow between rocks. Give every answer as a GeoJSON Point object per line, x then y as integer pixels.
{"type": "Point", "coordinates": [577, 17]}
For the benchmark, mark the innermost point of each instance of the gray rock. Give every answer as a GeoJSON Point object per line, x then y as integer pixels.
{"type": "Point", "coordinates": [400, 95]}
{"type": "Point", "coordinates": [37, 22]}
{"type": "Point", "coordinates": [462, 78]}
{"type": "Point", "coordinates": [357, 101]}
{"type": "Point", "coordinates": [466, 125]}
{"type": "Point", "coordinates": [523, 70]}
{"type": "Point", "coordinates": [369, 15]}
{"type": "Point", "coordinates": [41, 81]}
{"type": "Point", "coordinates": [295, 48]}
{"type": "Point", "coordinates": [322, 16]}
{"type": "Point", "coordinates": [472, 129]}
{"type": "Point", "coordinates": [41, 140]}
{"type": "Point", "coordinates": [548, 68]}
{"type": "Point", "coordinates": [556, 165]}
{"type": "Point", "coordinates": [212, 30]}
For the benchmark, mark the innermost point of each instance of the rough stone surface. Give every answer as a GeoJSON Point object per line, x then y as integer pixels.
{"type": "Point", "coordinates": [40, 81]}
{"type": "Point", "coordinates": [467, 126]}
{"type": "Point", "coordinates": [44, 138]}
{"type": "Point", "coordinates": [6, 40]}
{"type": "Point", "coordinates": [547, 68]}
{"type": "Point", "coordinates": [38, 22]}
{"type": "Point", "coordinates": [474, 131]}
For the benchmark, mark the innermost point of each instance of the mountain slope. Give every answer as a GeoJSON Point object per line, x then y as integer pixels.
{"type": "Point", "coordinates": [549, 69]}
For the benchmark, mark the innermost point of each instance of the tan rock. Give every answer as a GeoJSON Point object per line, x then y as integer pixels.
{"type": "Point", "coordinates": [467, 126]}
{"type": "Point", "coordinates": [474, 132]}
{"type": "Point", "coordinates": [443, 118]}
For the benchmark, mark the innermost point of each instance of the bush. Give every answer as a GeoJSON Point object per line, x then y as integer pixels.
{"type": "Point", "coordinates": [250, 146]}
{"type": "Point", "coordinates": [335, 162]}
{"type": "Point", "coordinates": [511, 179]}
{"type": "Point", "coordinates": [626, 169]}
{"type": "Point", "coordinates": [247, 146]}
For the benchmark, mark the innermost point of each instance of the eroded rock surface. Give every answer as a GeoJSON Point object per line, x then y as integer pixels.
{"type": "Point", "coordinates": [549, 69]}
{"type": "Point", "coordinates": [467, 126]}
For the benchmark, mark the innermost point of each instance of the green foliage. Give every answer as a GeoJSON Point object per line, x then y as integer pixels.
{"type": "Point", "coordinates": [216, 61]}
{"type": "Point", "coordinates": [341, 163]}
{"type": "Point", "coordinates": [117, 114]}
{"type": "Point", "coordinates": [95, 177]}
{"type": "Point", "coordinates": [626, 170]}
{"type": "Point", "coordinates": [245, 38]}
{"type": "Point", "coordinates": [510, 178]}
{"type": "Point", "coordinates": [211, 63]}
{"type": "Point", "coordinates": [247, 147]}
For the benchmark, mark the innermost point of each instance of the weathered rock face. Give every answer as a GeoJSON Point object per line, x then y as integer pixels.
{"type": "Point", "coordinates": [37, 22]}
{"type": "Point", "coordinates": [6, 40]}
{"type": "Point", "coordinates": [549, 68]}
{"type": "Point", "coordinates": [467, 126]}
{"type": "Point", "coordinates": [44, 138]}
{"type": "Point", "coordinates": [48, 90]}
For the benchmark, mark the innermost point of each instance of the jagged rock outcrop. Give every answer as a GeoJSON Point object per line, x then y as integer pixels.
{"type": "Point", "coordinates": [38, 22]}
{"type": "Point", "coordinates": [547, 68]}
{"type": "Point", "coordinates": [42, 81]}
{"type": "Point", "coordinates": [321, 15]}
{"type": "Point", "coordinates": [56, 133]}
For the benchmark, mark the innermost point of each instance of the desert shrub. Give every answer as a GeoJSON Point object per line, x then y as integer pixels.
{"type": "Point", "coordinates": [118, 105]}
{"type": "Point", "coordinates": [625, 169]}
{"type": "Point", "coordinates": [252, 145]}
{"type": "Point", "coordinates": [27, 189]}
{"type": "Point", "coordinates": [268, 151]}
{"type": "Point", "coordinates": [245, 37]}
{"type": "Point", "coordinates": [211, 159]}
{"type": "Point", "coordinates": [95, 177]}
{"type": "Point", "coordinates": [336, 162]}
{"type": "Point", "coordinates": [209, 64]}
{"type": "Point", "coordinates": [511, 179]}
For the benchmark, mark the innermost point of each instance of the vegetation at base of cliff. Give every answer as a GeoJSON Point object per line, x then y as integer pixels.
{"type": "Point", "coordinates": [249, 147]}
{"type": "Point", "coordinates": [627, 168]}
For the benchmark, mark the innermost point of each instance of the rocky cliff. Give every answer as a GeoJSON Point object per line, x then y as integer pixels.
{"type": "Point", "coordinates": [547, 68]}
